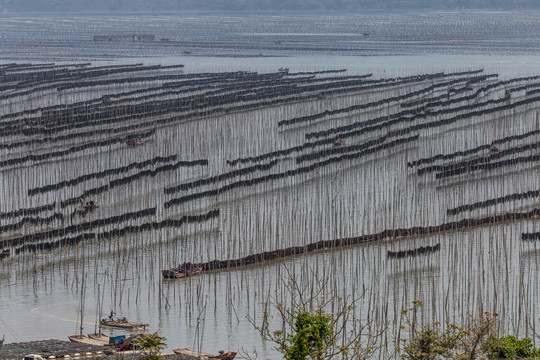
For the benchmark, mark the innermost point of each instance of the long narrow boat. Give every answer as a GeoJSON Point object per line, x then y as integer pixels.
{"type": "Point", "coordinates": [78, 338]}
{"type": "Point", "coordinates": [229, 355]}
{"type": "Point", "coordinates": [174, 273]}
{"type": "Point", "coordinates": [99, 337]}
{"type": "Point", "coordinates": [121, 324]}
{"type": "Point", "coordinates": [86, 340]}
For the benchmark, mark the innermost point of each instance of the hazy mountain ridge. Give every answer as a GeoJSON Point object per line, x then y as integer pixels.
{"type": "Point", "coordinates": [7, 6]}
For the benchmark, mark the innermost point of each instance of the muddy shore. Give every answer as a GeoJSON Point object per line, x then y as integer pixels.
{"type": "Point", "coordinates": [60, 349]}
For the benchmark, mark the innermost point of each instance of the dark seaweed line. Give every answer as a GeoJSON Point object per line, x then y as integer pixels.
{"type": "Point", "coordinates": [28, 211]}
{"type": "Point", "coordinates": [424, 102]}
{"type": "Point", "coordinates": [237, 76]}
{"type": "Point", "coordinates": [101, 174]}
{"type": "Point", "coordinates": [491, 202]}
{"type": "Point", "coordinates": [471, 151]}
{"type": "Point", "coordinates": [379, 102]}
{"type": "Point", "coordinates": [128, 179]}
{"type": "Point", "coordinates": [73, 149]}
{"type": "Point", "coordinates": [61, 110]}
{"type": "Point", "coordinates": [297, 171]}
{"type": "Point", "coordinates": [413, 252]}
{"type": "Point", "coordinates": [79, 227]}
{"type": "Point", "coordinates": [463, 99]}
{"type": "Point", "coordinates": [364, 106]}
{"type": "Point", "coordinates": [56, 73]}
{"type": "Point", "coordinates": [32, 221]}
{"type": "Point", "coordinates": [163, 107]}
{"type": "Point", "coordinates": [346, 242]}
{"type": "Point", "coordinates": [50, 245]}
{"type": "Point", "coordinates": [74, 76]}
{"type": "Point", "coordinates": [487, 166]}
{"type": "Point", "coordinates": [114, 115]}
{"type": "Point", "coordinates": [479, 91]}
{"type": "Point", "coordinates": [221, 110]}
{"type": "Point", "coordinates": [58, 85]}
{"type": "Point", "coordinates": [530, 236]}
{"type": "Point", "coordinates": [376, 123]}
{"type": "Point", "coordinates": [279, 91]}
{"type": "Point", "coordinates": [309, 145]}
{"type": "Point", "coordinates": [443, 122]}
{"type": "Point", "coordinates": [283, 152]}
{"type": "Point", "coordinates": [221, 177]}
{"type": "Point", "coordinates": [340, 150]}
{"type": "Point", "coordinates": [70, 136]}
{"type": "Point", "coordinates": [482, 160]}
{"type": "Point", "coordinates": [321, 72]}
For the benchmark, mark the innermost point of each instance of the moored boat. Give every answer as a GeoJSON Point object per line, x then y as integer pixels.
{"type": "Point", "coordinates": [229, 355]}
{"type": "Point", "coordinates": [99, 337]}
{"type": "Point", "coordinates": [135, 142]}
{"type": "Point", "coordinates": [78, 338]}
{"type": "Point", "coordinates": [176, 273]}
{"type": "Point", "coordinates": [122, 324]}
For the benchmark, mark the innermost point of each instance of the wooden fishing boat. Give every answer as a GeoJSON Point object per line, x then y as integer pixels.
{"type": "Point", "coordinates": [229, 355]}
{"type": "Point", "coordinates": [83, 339]}
{"type": "Point", "coordinates": [122, 324]}
{"type": "Point", "coordinates": [339, 142]}
{"type": "Point", "coordinates": [175, 273]}
{"type": "Point", "coordinates": [85, 207]}
{"type": "Point", "coordinates": [494, 148]}
{"type": "Point", "coordinates": [135, 142]}
{"type": "Point", "coordinates": [99, 337]}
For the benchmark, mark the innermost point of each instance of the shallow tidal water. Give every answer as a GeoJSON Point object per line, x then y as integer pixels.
{"type": "Point", "coordinates": [481, 269]}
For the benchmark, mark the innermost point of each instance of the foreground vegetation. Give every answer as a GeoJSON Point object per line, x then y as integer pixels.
{"type": "Point", "coordinates": [310, 332]}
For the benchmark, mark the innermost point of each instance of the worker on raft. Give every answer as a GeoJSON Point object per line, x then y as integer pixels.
{"type": "Point", "coordinates": [111, 316]}
{"type": "Point", "coordinates": [180, 267]}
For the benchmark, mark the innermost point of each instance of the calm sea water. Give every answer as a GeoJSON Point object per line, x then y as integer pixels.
{"type": "Point", "coordinates": [40, 293]}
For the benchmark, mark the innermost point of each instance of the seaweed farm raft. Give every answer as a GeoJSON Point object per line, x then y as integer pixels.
{"type": "Point", "coordinates": [384, 189]}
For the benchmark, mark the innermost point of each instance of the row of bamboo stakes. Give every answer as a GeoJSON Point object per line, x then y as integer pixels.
{"type": "Point", "coordinates": [248, 131]}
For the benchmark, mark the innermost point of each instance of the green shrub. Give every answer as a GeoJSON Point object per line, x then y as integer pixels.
{"type": "Point", "coordinates": [150, 344]}
{"type": "Point", "coordinates": [312, 335]}
{"type": "Point", "coordinates": [509, 347]}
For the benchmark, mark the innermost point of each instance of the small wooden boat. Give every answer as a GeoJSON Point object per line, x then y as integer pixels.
{"type": "Point", "coordinates": [175, 273]}
{"type": "Point", "coordinates": [493, 147]}
{"type": "Point", "coordinates": [87, 340]}
{"type": "Point", "coordinates": [85, 207]}
{"type": "Point", "coordinates": [229, 355]}
{"type": "Point", "coordinates": [99, 337]}
{"type": "Point", "coordinates": [122, 324]}
{"type": "Point", "coordinates": [339, 142]}
{"type": "Point", "coordinates": [78, 338]}
{"type": "Point", "coordinates": [135, 142]}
